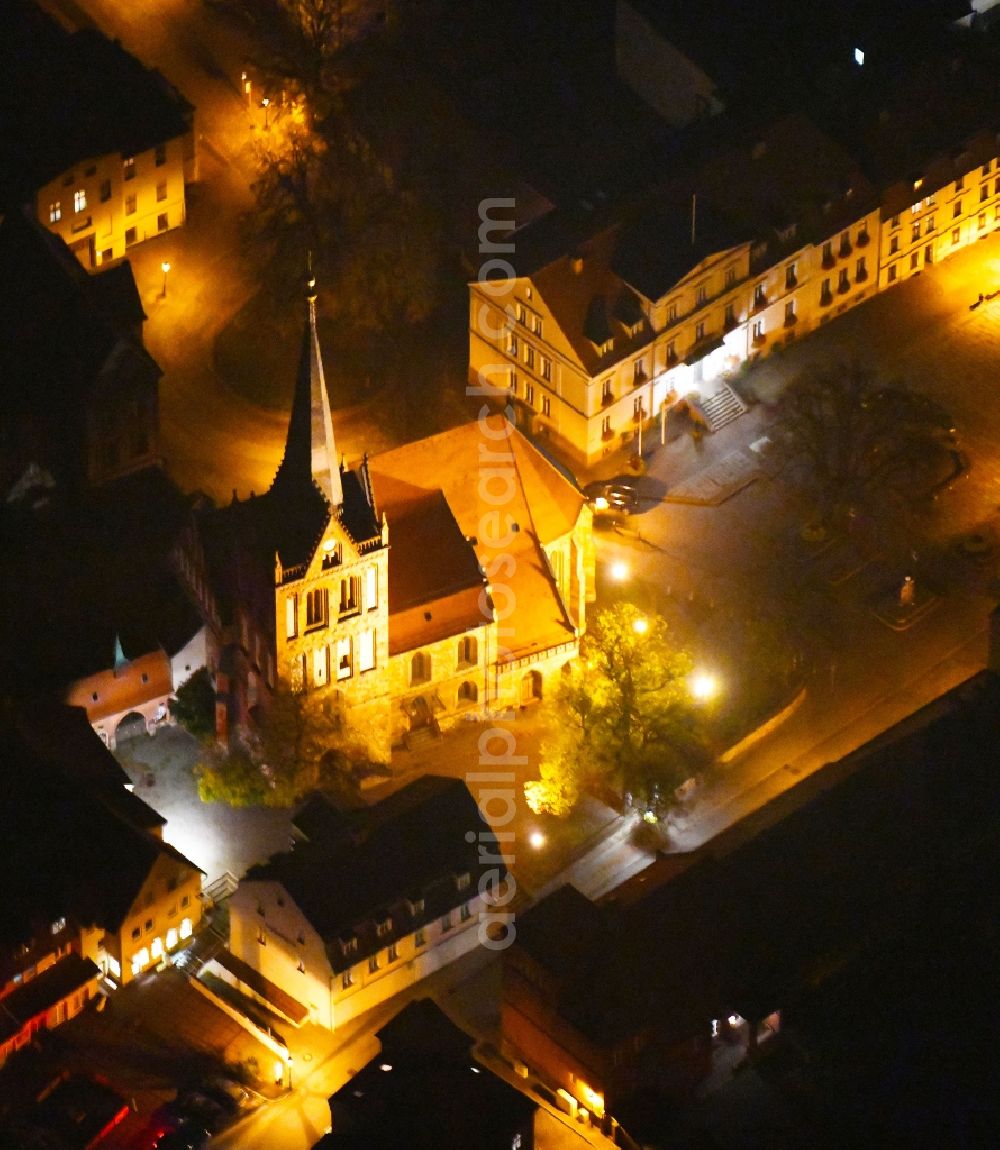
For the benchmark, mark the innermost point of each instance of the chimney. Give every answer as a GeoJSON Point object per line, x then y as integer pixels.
{"type": "Point", "coordinates": [577, 264]}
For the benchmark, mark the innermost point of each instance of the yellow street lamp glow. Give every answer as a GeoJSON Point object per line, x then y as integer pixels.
{"type": "Point", "coordinates": [704, 686]}
{"type": "Point", "coordinates": [537, 840]}
{"type": "Point", "coordinates": [619, 571]}
{"type": "Point", "coordinates": [600, 503]}
{"type": "Point", "coordinates": [165, 267]}
{"type": "Point", "coordinates": [641, 625]}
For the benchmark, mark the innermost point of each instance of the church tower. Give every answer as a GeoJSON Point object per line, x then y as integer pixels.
{"type": "Point", "coordinates": [331, 564]}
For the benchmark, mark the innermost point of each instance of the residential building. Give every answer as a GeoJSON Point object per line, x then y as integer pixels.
{"type": "Point", "coordinates": [100, 146]}
{"type": "Point", "coordinates": [382, 580]}
{"type": "Point", "coordinates": [848, 867]}
{"type": "Point", "coordinates": [80, 399]}
{"type": "Point", "coordinates": [91, 887]}
{"type": "Point", "coordinates": [372, 901]}
{"type": "Point", "coordinates": [425, 1089]}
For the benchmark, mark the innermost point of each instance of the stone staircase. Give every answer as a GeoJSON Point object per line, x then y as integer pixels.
{"type": "Point", "coordinates": [722, 407]}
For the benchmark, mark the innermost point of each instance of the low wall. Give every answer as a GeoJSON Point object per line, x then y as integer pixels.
{"type": "Point", "coordinates": [771, 724]}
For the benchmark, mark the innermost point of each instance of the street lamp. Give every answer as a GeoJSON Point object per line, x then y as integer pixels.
{"type": "Point", "coordinates": [619, 571]}
{"type": "Point", "coordinates": [265, 104]}
{"type": "Point", "coordinates": [165, 267]}
{"type": "Point", "coordinates": [640, 625]}
{"type": "Point", "coordinates": [703, 686]}
{"type": "Point", "coordinates": [537, 840]}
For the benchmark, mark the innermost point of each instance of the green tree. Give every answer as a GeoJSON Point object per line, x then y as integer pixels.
{"type": "Point", "coordinates": [622, 718]}
{"type": "Point", "coordinates": [302, 743]}
{"type": "Point", "coordinates": [856, 443]}
{"type": "Point", "coordinates": [193, 705]}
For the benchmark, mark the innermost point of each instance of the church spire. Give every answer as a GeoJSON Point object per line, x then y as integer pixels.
{"type": "Point", "coordinates": [310, 450]}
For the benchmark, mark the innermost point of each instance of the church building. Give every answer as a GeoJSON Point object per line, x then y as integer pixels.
{"type": "Point", "coordinates": [443, 580]}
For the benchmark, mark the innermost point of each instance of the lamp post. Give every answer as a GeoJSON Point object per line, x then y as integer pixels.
{"type": "Point", "coordinates": [164, 267]}
{"type": "Point", "coordinates": [265, 104]}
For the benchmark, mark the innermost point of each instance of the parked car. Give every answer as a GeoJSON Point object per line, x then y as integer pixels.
{"type": "Point", "coordinates": [183, 1138]}
{"type": "Point", "coordinates": [198, 1107]}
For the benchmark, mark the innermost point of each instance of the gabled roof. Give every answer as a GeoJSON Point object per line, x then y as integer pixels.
{"type": "Point", "coordinates": [79, 575]}
{"type": "Point", "coordinates": [425, 1090]}
{"type": "Point", "coordinates": [413, 843]}
{"type": "Point", "coordinates": [69, 97]}
{"type": "Point", "coordinates": [542, 503]}
{"type": "Point", "coordinates": [71, 850]}
{"type": "Point", "coordinates": [71, 973]}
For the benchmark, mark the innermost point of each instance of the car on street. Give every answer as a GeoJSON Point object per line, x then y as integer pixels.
{"type": "Point", "coordinates": [612, 500]}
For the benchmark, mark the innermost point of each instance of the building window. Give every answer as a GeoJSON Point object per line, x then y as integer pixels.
{"type": "Point", "coordinates": [701, 295]}
{"type": "Point", "coordinates": [730, 277]}
{"type": "Point", "coordinates": [136, 934]}
{"type": "Point", "coordinates": [420, 668]}
{"type": "Point", "coordinates": [373, 964]}
{"type": "Point", "coordinates": [350, 595]}
{"type": "Point", "coordinates": [844, 283]}
{"type": "Point", "coordinates": [956, 210]}
{"type": "Point", "coordinates": [529, 357]}
{"type": "Point", "coordinates": [511, 343]}
{"type": "Point", "coordinates": [148, 926]}
{"type": "Point", "coordinates": [317, 607]}
{"type": "Point", "coordinates": [519, 312]}
{"type": "Point", "coordinates": [960, 183]}
{"type": "Point", "coordinates": [349, 945]}
{"type": "Point", "coordinates": [790, 277]}
{"type": "Point", "coordinates": [393, 953]}
{"type": "Point", "coordinates": [894, 222]}
{"type": "Point", "coordinates": [672, 313]}
{"type": "Point", "coordinates": [346, 980]}
{"type": "Point", "coordinates": [161, 191]}
{"type": "Point", "coordinates": [546, 406]}
{"type": "Point", "coordinates": [730, 316]}
{"type": "Point", "coordinates": [759, 296]}
{"type": "Point", "coordinates": [383, 928]}
{"type": "Point", "coordinates": [512, 381]}
{"type": "Point", "coordinates": [893, 245]}
{"type": "Point", "coordinates": [758, 331]}
{"type": "Point", "coordinates": [606, 427]}
{"type": "Point", "coordinates": [981, 221]}
{"type": "Point", "coordinates": [300, 966]}
{"type": "Point", "coordinates": [914, 260]}
{"type": "Point", "coordinates": [420, 938]}
{"type": "Point", "coordinates": [955, 235]}
{"type": "Point", "coordinates": [156, 948]}
{"type": "Point", "coordinates": [463, 880]}
{"type": "Point", "coordinates": [468, 692]}
{"type": "Point", "coordinates": [80, 200]}
{"type": "Point", "coordinates": [996, 186]}
{"type": "Point", "coordinates": [607, 392]}
{"type": "Point", "coordinates": [321, 666]}
{"type": "Point", "coordinates": [916, 232]}
{"type": "Point", "coordinates": [465, 912]}
{"type": "Point", "coordinates": [186, 927]}
{"type": "Point", "coordinates": [892, 274]}
{"type": "Point", "coordinates": [344, 658]}
{"type": "Point", "coordinates": [984, 192]}
{"type": "Point", "coordinates": [861, 270]}
{"type": "Point", "coordinates": [468, 650]}
{"type": "Point", "coordinates": [638, 371]}
{"type": "Point", "coordinates": [790, 316]}
{"type": "Point", "coordinates": [161, 155]}
{"type": "Point", "coordinates": [536, 324]}
{"type": "Point", "coordinates": [128, 167]}
{"type": "Point", "coordinates": [699, 332]}
{"type": "Point", "coordinates": [162, 222]}
{"type": "Point", "coordinates": [529, 395]}
{"type": "Point", "coordinates": [291, 616]}
{"type": "Point", "coordinates": [446, 922]}
{"type": "Point", "coordinates": [671, 353]}
{"type": "Point", "coordinates": [55, 212]}
{"type": "Point", "coordinates": [171, 938]}
{"type": "Point", "coordinates": [366, 651]}
{"type": "Point", "coordinates": [546, 365]}
{"type": "Point", "coordinates": [131, 203]}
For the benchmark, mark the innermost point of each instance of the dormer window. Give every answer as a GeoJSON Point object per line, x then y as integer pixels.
{"type": "Point", "coordinates": [383, 927]}
{"type": "Point", "coordinates": [349, 944]}
{"type": "Point", "coordinates": [415, 906]}
{"type": "Point", "coordinates": [463, 881]}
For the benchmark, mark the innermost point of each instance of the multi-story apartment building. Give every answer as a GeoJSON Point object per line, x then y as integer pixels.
{"type": "Point", "coordinates": [371, 902]}
{"type": "Point", "coordinates": [593, 333]}
{"type": "Point", "coordinates": [109, 144]}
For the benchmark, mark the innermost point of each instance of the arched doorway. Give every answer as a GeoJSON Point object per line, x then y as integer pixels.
{"type": "Point", "coordinates": [132, 726]}
{"type": "Point", "coordinates": [531, 688]}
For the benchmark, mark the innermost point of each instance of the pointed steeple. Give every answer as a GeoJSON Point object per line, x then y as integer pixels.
{"type": "Point", "coordinates": [119, 656]}
{"type": "Point", "coordinates": [310, 450]}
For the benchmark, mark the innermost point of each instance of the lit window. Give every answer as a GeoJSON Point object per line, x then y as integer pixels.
{"type": "Point", "coordinates": [346, 980]}
{"type": "Point", "coordinates": [546, 364]}
{"type": "Point", "coordinates": [171, 938]}
{"type": "Point", "coordinates": [58, 926]}
{"type": "Point", "coordinates": [366, 651]}
{"type": "Point", "coordinates": [350, 595]}
{"type": "Point", "coordinates": [463, 880]}
{"type": "Point", "coordinates": [55, 212]}
{"type": "Point", "coordinates": [316, 607]}
{"type": "Point", "coordinates": [384, 927]}
{"type": "Point", "coordinates": [373, 964]}
{"type": "Point", "coordinates": [185, 928]}
{"type": "Point", "coordinates": [420, 667]}
{"type": "Point", "coordinates": [344, 658]}
{"type": "Point", "coordinates": [468, 650]}
{"type": "Point", "coordinates": [140, 960]}
{"type": "Point", "coordinates": [393, 954]}
{"type": "Point", "coordinates": [420, 938]}
{"type": "Point", "coordinates": [128, 167]}
{"type": "Point", "coordinates": [80, 200]}
{"type": "Point", "coordinates": [546, 405]}
{"type": "Point", "coordinates": [291, 612]}
{"type": "Point", "coordinates": [529, 357]}
{"type": "Point", "coordinates": [320, 657]}
{"type": "Point", "coordinates": [529, 395]}
{"type": "Point", "coordinates": [157, 948]}
{"type": "Point", "coordinates": [371, 588]}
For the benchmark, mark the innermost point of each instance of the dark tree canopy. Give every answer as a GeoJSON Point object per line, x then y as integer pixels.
{"type": "Point", "coordinates": [856, 442]}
